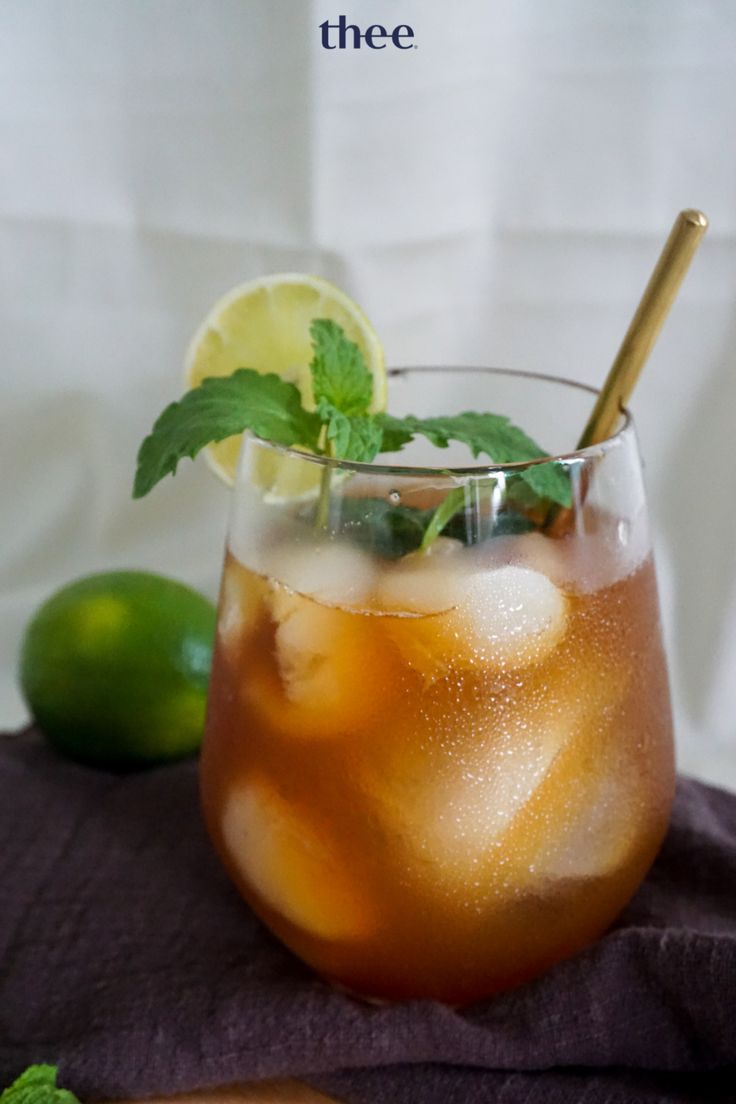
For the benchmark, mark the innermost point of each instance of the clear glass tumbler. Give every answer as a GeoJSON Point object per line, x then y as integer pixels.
{"type": "Point", "coordinates": [435, 769]}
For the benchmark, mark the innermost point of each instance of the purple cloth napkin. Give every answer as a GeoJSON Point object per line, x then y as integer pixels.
{"type": "Point", "coordinates": [128, 959]}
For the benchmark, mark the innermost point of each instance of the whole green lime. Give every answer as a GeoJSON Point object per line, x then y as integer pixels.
{"type": "Point", "coordinates": [114, 668]}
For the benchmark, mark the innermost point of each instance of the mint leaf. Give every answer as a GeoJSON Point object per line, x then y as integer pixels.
{"type": "Point", "coordinates": [390, 530]}
{"type": "Point", "coordinates": [380, 527]}
{"type": "Point", "coordinates": [550, 481]}
{"type": "Point", "coordinates": [219, 408]}
{"type": "Point", "coordinates": [447, 509]}
{"type": "Point", "coordinates": [37, 1085]}
{"type": "Point", "coordinates": [457, 516]}
{"type": "Point", "coordinates": [339, 374]}
{"type": "Point", "coordinates": [396, 432]}
{"type": "Point", "coordinates": [352, 438]}
{"type": "Point", "coordinates": [492, 434]}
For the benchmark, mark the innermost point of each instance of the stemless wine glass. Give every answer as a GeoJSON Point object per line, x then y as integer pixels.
{"type": "Point", "coordinates": [438, 754]}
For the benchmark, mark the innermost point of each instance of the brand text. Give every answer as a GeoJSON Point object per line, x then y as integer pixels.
{"type": "Point", "coordinates": [343, 35]}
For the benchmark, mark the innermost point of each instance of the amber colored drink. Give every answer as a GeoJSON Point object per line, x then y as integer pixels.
{"type": "Point", "coordinates": [451, 777]}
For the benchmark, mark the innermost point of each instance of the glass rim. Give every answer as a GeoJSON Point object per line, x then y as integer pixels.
{"type": "Point", "coordinates": [574, 456]}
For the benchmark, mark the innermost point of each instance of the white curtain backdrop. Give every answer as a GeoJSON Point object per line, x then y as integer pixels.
{"type": "Point", "coordinates": [497, 195]}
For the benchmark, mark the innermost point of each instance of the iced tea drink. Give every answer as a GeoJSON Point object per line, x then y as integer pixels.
{"type": "Point", "coordinates": [436, 773]}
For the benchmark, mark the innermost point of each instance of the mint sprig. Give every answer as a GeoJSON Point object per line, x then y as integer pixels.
{"type": "Point", "coordinates": [343, 392]}
{"type": "Point", "coordinates": [221, 407]}
{"type": "Point", "coordinates": [37, 1085]}
{"type": "Point", "coordinates": [341, 426]}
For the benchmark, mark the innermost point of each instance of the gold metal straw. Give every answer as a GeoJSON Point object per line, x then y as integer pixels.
{"type": "Point", "coordinates": [654, 306]}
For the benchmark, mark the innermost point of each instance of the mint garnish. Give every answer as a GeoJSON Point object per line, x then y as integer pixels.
{"type": "Point", "coordinates": [37, 1085]}
{"type": "Point", "coordinates": [342, 427]}
{"type": "Point", "coordinates": [392, 531]}
{"type": "Point", "coordinates": [343, 390]}
{"type": "Point", "coordinates": [358, 438]}
{"type": "Point", "coordinates": [340, 378]}
{"type": "Point", "coordinates": [491, 434]}
{"type": "Point", "coordinates": [219, 408]}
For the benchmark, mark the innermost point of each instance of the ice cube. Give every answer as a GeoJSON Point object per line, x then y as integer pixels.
{"type": "Point", "coordinates": [515, 615]}
{"type": "Point", "coordinates": [241, 598]}
{"type": "Point", "coordinates": [579, 821]}
{"type": "Point", "coordinates": [333, 669]}
{"type": "Point", "coordinates": [495, 794]}
{"type": "Point", "coordinates": [293, 867]}
{"type": "Point", "coordinates": [507, 617]}
{"type": "Point", "coordinates": [331, 572]}
{"type": "Point", "coordinates": [450, 808]}
{"type": "Point", "coordinates": [543, 554]}
{"type": "Point", "coordinates": [610, 550]}
{"type": "Point", "coordinates": [469, 811]}
{"type": "Point", "coordinates": [317, 648]}
{"type": "Point", "coordinates": [429, 582]}
{"type": "Point", "coordinates": [602, 552]}
{"type": "Point", "coordinates": [597, 836]}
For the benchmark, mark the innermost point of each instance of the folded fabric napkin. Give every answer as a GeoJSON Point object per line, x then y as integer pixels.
{"type": "Point", "coordinates": [129, 960]}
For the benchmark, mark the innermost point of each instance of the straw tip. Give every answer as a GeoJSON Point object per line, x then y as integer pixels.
{"type": "Point", "coordinates": [695, 217]}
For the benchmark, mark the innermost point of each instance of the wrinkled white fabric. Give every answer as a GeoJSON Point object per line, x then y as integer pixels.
{"type": "Point", "coordinates": [497, 195]}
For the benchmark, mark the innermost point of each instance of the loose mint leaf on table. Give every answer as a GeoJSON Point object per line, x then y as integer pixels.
{"type": "Point", "coordinates": [351, 438]}
{"type": "Point", "coordinates": [37, 1085]}
{"type": "Point", "coordinates": [221, 407]}
{"type": "Point", "coordinates": [340, 377]}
